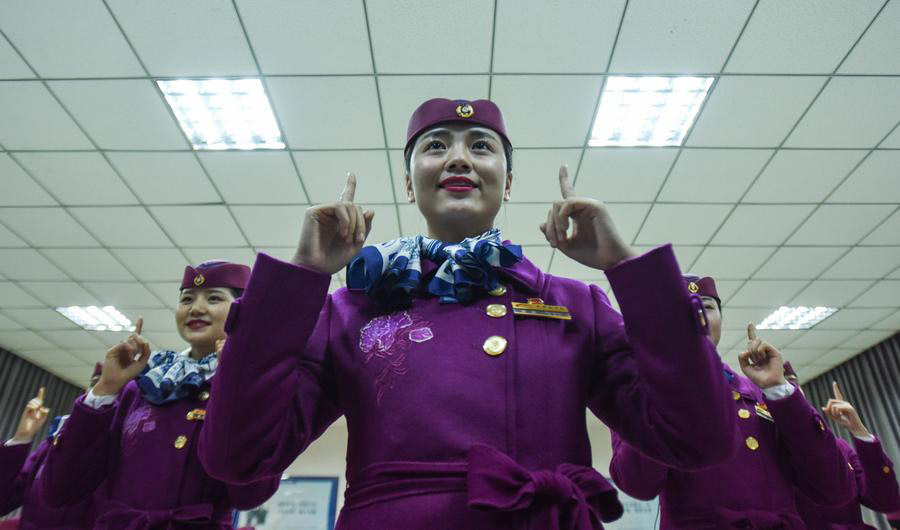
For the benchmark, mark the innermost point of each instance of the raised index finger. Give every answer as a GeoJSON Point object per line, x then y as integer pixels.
{"type": "Point", "coordinates": [40, 394]}
{"type": "Point", "coordinates": [564, 185]}
{"type": "Point", "coordinates": [751, 331]}
{"type": "Point", "coordinates": [349, 188]}
{"type": "Point", "coordinates": [139, 325]}
{"type": "Point", "coordinates": [838, 395]}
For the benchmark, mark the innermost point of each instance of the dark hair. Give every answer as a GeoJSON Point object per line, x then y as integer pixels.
{"type": "Point", "coordinates": [507, 150]}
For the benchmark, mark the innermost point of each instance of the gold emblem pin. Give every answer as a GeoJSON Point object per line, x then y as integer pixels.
{"type": "Point", "coordinates": [735, 395]}
{"type": "Point", "coordinates": [198, 280]}
{"type": "Point", "coordinates": [180, 442]}
{"type": "Point", "coordinates": [499, 291]}
{"type": "Point", "coordinates": [693, 287]}
{"type": "Point", "coordinates": [465, 111]}
{"type": "Point", "coordinates": [204, 395]}
{"type": "Point", "coordinates": [886, 470]}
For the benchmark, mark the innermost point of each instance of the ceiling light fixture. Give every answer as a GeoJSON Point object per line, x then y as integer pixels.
{"type": "Point", "coordinates": [647, 110]}
{"type": "Point", "coordinates": [796, 317]}
{"type": "Point", "coordinates": [93, 318]}
{"type": "Point", "coordinates": [221, 114]}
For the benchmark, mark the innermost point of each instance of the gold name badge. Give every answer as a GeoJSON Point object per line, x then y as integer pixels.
{"type": "Point", "coordinates": [535, 307]}
{"type": "Point", "coordinates": [196, 415]}
{"type": "Point", "coordinates": [763, 412]}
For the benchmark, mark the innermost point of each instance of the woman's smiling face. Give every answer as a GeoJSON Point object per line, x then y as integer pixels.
{"type": "Point", "coordinates": [459, 178]}
{"type": "Point", "coordinates": [201, 314]}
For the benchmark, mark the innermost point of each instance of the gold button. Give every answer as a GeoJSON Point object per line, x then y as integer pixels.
{"type": "Point", "coordinates": [494, 345]}
{"type": "Point", "coordinates": [744, 414]}
{"type": "Point", "coordinates": [180, 442]}
{"type": "Point", "coordinates": [735, 395]}
{"type": "Point", "coordinates": [204, 395]}
{"type": "Point", "coordinates": [496, 310]}
{"type": "Point", "coordinates": [499, 291]}
{"type": "Point", "coordinates": [887, 470]}
{"type": "Point", "coordinates": [190, 415]}
{"type": "Point", "coordinates": [56, 441]}
{"type": "Point", "coordinates": [752, 443]}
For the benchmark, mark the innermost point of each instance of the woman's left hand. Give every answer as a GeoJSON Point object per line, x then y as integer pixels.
{"type": "Point", "coordinates": [595, 241]}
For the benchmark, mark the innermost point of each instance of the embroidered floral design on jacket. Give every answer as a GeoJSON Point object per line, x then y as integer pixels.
{"type": "Point", "coordinates": [388, 337]}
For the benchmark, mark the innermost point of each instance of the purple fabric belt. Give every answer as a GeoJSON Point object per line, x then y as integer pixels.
{"type": "Point", "coordinates": [570, 497]}
{"type": "Point", "coordinates": [121, 517]}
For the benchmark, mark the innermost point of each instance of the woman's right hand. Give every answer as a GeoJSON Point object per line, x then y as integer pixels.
{"type": "Point", "coordinates": [33, 418]}
{"type": "Point", "coordinates": [333, 233]}
{"type": "Point", "coordinates": [123, 362]}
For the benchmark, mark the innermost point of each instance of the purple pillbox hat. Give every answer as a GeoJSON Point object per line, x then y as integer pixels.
{"type": "Point", "coordinates": [789, 370]}
{"type": "Point", "coordinates": [438, 110]}
{"type": "Point", "coordinates": [216, 273]}
{"type": "Point", "coordinates": [705, 286]}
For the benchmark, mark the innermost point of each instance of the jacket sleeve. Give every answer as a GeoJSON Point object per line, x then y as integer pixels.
{"type": "Point", "coordinates": [14, 470]}
{"type": "Point", "coordinates": [875, 477]}
{"type": "Point", "coordinates": [659, 382]}
{"type": "Point", "coordinates": [634, 473]}
{"type": "Point", "coordinates": [78, 462]}
{"type": "Point", "coordinates": [820, 468]}
{"type": "Point", "coordinates": [273, 393]}
{"type": "Point", "coordinates": [249, 496]}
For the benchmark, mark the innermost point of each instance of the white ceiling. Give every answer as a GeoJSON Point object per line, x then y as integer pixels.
{"type": "Point", "coordinates": [787, 188]}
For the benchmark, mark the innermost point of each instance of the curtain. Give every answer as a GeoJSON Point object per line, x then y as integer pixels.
{"type": "Point", "coordinates": [871, 383]}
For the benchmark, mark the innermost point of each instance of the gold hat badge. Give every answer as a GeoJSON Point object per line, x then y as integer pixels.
{"type": "Point", "coordinates": [465, 111]}
{"type": "Point", "coordinates": [199, 279]}
{"type": "Point", "coordinates": [693, 287]}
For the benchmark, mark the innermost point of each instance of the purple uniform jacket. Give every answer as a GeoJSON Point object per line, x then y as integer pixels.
{"type": "Point", "coordinates": [467, 416]}
{"type": "Point", "coordinates": [35, 512]}
{"type": "Point", "coordinates": [12, 458]}
{"type": "Point", "coordinates": [876, 488]}
{"type": "Point", "coordinates": [148, 456]}
{"type": "Point", "coordinates": [755, 488]}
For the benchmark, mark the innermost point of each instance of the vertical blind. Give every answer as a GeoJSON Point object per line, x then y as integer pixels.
{"type": "Point", "coordinates": [871, 383]}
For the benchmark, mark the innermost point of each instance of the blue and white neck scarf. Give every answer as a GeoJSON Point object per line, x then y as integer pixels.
{"type": "Point", "coordinates": [170, 376]}
{"type": "Point", "coordinates": [391, 272]}
{"type": "Point", "coordinates": [56, 425]}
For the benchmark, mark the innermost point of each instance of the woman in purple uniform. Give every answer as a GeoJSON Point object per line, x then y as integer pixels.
{"type": "Point", "coordinates": [463, 370]}
{"type": "Point", "coordinates": [876, 481]}
{"type": "Point", "coordinates": [137, 429]}
{"type": "Point", "coordinates": [780, 443]}
{"type": "Point", "coordinates": [36, 514]}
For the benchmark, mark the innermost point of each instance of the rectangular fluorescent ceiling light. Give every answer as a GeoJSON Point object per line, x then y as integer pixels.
{"type": "Point", "coordinates": [796, 317]}
{"type": "Point", "coordinates": [647, 110]}
{"type": "Point", "coordinates": [223, 114]}
{"type": "Point", "coordinates": [93, 318]}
